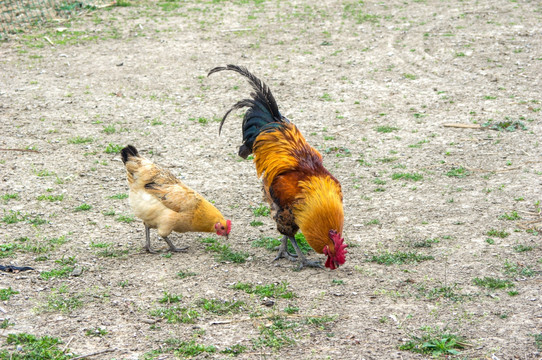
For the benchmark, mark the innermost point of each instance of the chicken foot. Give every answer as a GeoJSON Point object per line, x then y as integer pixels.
{"type": "Point", "coordinates": [148, 248]}
{"type": "Point", "coordinates": [172, 247]}
{"type": "Point", "coordinates": [303, 262]}
{"type": "Point", "coordinates": [283, 250]}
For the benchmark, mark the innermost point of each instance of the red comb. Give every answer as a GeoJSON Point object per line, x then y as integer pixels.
{"type": "Point", "coordinates": [339, 258]}
{"type": "Point", "coordinates": [228, 227]}
{"type": "Point", "coordinates": [340, 249]}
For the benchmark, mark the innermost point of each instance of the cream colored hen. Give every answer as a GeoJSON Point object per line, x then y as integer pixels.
{"type": "Point", "coordinates": [164, 203]}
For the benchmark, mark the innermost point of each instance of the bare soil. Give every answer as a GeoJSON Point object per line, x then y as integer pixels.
{"type": "Point", "coordinates": [369, 84]}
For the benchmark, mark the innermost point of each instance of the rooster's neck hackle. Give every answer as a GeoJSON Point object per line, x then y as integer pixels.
{"type": "Point", "coordinates": [319, 209]}
{"type": "Point", "coordinates": [280, 150]}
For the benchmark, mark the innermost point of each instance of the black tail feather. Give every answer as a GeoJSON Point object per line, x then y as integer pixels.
{"type": "Point", "coordinates": [127, 152]}
{"type": "Point", "coordinates": [263, 108]}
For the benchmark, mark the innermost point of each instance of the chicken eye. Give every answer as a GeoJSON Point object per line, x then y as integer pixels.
{"type": "Point", "coordinates": [222, 227]}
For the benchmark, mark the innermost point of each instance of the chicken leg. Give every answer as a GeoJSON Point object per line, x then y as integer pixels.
{"type": "Point", "coordinates": [148, 243]}
{"type": "Point", "coordinates": [173, 248]}
{"type": "Point", "coordinates": [148, 240]}
{"type": "Point", "coordinates": [283, 250]}
{"type": "Point", "coordinates": [303, 262]}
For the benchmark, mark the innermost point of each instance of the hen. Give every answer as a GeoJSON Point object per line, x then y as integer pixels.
{"type": "Point", "coordinates": [164, 203]}
{"type": "Point", "coordinates": [302, 194]}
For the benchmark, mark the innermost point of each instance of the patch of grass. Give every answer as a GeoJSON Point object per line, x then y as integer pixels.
{"type": "Point", "coordinates": [268, 243]}
{"type": "Point", "coordinates": [176, 314]}
{"type": "Point", "coordinates": [439, 292]}
{"type": "Point", "coordinates": [188, 349]}
{"type": "Point", "coordinates": [256, 223]}
{"type": "Point", "coordinates": [435, 342]}
{"type": "Point", "coordinates": [7, 197]}
{"type": "Point", "coordinates": [170, 298]}
{"type": "Point", "coordinates": [109, 129]}
{"type": "Point", "coordinates": [516, 269]}
{"type": "Point", "coordinates": [5, 294]}
{"type": "Point", "coordinates": [522, 248]}
{"type": "Point", "coordinates": [107, 250]}
{"type": "Point", "coordinates": [409, 76]}
{"type": "Point", "coordinates": [407, 176]}
{"type": "Point", "coordinates": [399, 257]}
{"type": "Point", "coordinates": [538, 340]}
{"type": "Point", "coordinates": [83, 207]}
{"type": "Point", "coordinates": [507, 125]}
{"type": "Point", "coordinates": [291, 310]}
{"type": "Point", "coordinates": [459, 172]}
{"type": "Point", "coordinates": [272, 243]}
{"type": "Point", "coordinates": [96, 332]}
{"type": "Point", "coordinates": [65, 271]}
{"type": "Point", "coordinates": [201, 120]}
{"type": "Point", "coordinates": [224, 252]}
{"type": "Point", "coordinates": [4, 325]}
{"type": "Point", "coordinates": [234, 350]}
{"type": "Point", "coordinates": [43, 173]}
{"type": "Point", "coordinates": [220, 307]}
{"type": "Point", "coordinates": [185, 274]}
{"type": "Point", "coordinates": [13, 217]}
{"type": "Point", "coordinates": [125, 218]}
{"type": "Point", "coordinates": [326, 97]}
{"type": "Point", "coordinates": [7, 250]}
{"type": "Point", "coordinates": [80, 140]}
{"type": "Point", "coordinates": [337, 282]}
{"type": "Point", "coordinates": [426, 243]}
{"type": "Point", "coordinates": [301, 242]}
{"type": "Point", "coordinates": [492, 283]}
{"type": "Point", "coordinates": [339, 151]}
{"type": "Point", "coordinates": [118, 196]}
{"type": "Point", "coordinates": [387, 160]}
{"type": "Point", "coordinates": [113, 148]}
{"type": "Point", "coordinates": [100, 245]}
{"type": "Point", "coordinates": [512, 216]}
{"type": "Point", "coordinates": [32, 347]}
{"type": "Point", "coordinates": [51, 198]}
{"type": "Point", "coordinates": [373, 222]}
{"type": "Point", "coordinates": [498, 233]}
{"type": "Point", "coordinates": [261, 210]}
{"type": "Point", "coordinates": [276, 335]}
{"type": "Point", "coordinates": [386, 129]}
{"type": "Point", "coordinates": [60, 300]}
{"type": "Point", "coordinates": [41, 246]}
{"type": "Point", "coordinates": [270, 290]}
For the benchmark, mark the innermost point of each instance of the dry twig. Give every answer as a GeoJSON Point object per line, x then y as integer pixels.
{"type": "Point", "coordinates": [94, 354]}
{"type": "Point", "coordinates": [25, 150]}
{"type": "Point", "coordinates": [464, 126]}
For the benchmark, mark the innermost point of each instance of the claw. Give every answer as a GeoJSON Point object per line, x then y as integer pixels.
{"type": "Point", "coordinates": [173, 248]}
{"type": "Point", "coordinates": [308, 263]}
{"type": "Point", "coordinates": [149, 250]}
{"type": "Point", "coordinates": [181, 249]}
{"type": "Point", "coordinates": [283, 252]}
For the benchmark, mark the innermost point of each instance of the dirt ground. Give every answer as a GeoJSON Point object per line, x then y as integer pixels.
{"type": "Point", "coordinates": [371, 85]}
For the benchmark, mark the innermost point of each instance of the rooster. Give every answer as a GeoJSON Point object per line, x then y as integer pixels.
{"type": "Point", "coordinates": [163, 202]}
{"type": "Point", "coordinates": [302, 194]}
